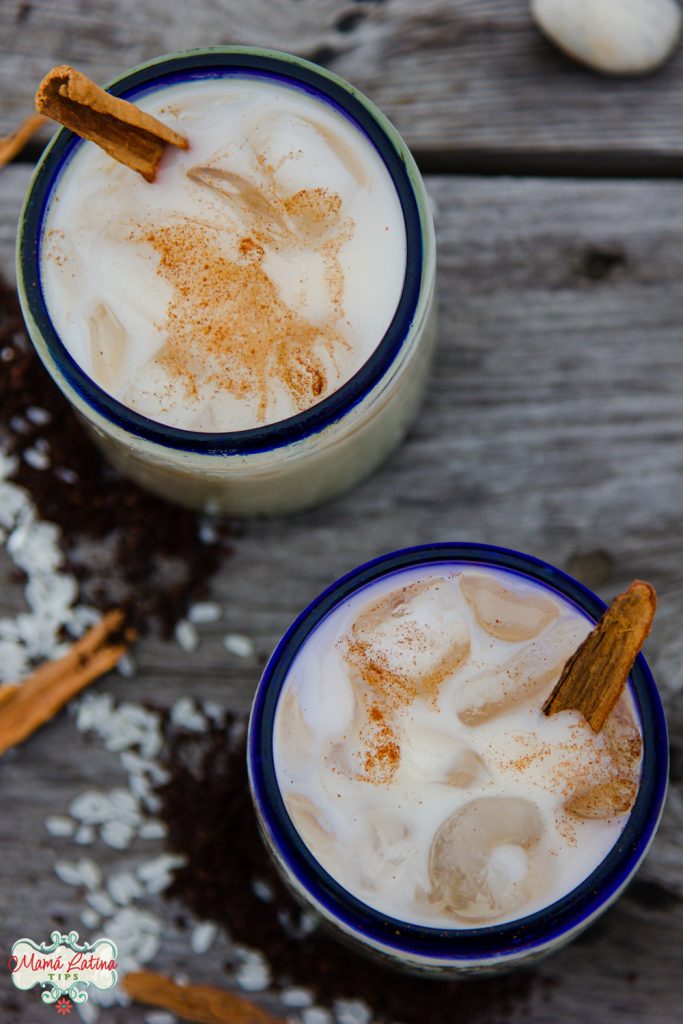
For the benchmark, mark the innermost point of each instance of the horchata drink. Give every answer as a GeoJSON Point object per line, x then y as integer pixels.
{"type": "Point", "coordinates": [251, 331]}
{"type": "Point", "coordinates": [403, 739]}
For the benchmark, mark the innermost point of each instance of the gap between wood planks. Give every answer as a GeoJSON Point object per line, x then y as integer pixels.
{"type": "Point", "coordinates": [520, 163]}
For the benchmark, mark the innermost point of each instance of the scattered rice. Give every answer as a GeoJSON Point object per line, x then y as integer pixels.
{"type": "Point", "coordinates": [90, 917]}
{"type": "Point", "coordinates": [296, 998]}
{"type": "Point", "coordinates": [117, 834]}
{"type": "Point", "coordinates": [186, 635]}
{"type": "Point", "coordinates": [239, 644]}
{"type": "Point", "coordinates": [214, 711]}
{"type": "Point", "coordinates": [36, 459]}
{"type": "Point", "coordinates": [126, 666]}
{"type": "Point", "coordinates": [59, 825]}
{"type": "Point", "coordinates": [351, 1011]}
{"type": "Point", "coordinates": [101, 902]}
{"type": "Point", "coordinates": [124, 887]}
{"type": "Point", "coordinates": [19, 425]}
{"type": "Point", "coordinates": [184, 715]}
{"type": "Point", "coordinates": [207, 533]}
{"type": "Point", "coordinates": [253, 974]}
{"type": "Point", "coordinates": [153, 829]}
{"type": "Point", "coordinates": [316, 1015]}
{"type": "Point", "coordinates": [85, 836]}
{"type": "Point", "coordinates": [203, 937]}
{"type": "Point", "coordinates": [66, 474]}
{"type": "Point", "coordinates": [82, 873]}
{"type": "Point", "coordinates": [92, 807]}
{"type": "Point", "coordinates": [203, 612]}
{"type": "Point", "coordinates": [157, 874]}
{"type": "Point", "coordinates": [263, 890]}
{"type": "Point", "coordinates": [39, 417]}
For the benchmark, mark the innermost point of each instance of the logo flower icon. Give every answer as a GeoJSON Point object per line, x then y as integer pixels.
{"type": "Point", "coordinates": [63, 1006]}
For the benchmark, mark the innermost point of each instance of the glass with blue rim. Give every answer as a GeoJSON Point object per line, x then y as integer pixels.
{"type": "Point", "coordinates": [449, 952]}
{"type": "Point", "coordinates": [308, 458]}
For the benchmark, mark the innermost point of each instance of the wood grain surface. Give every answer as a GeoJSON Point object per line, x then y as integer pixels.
{"type": "Point", "coordinates": [466, 81]}
{"type": "Point", "coordinates": [554, 420]}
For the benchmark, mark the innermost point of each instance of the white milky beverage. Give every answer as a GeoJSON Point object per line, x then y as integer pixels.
{"type": "Point", "coordinates": [415, 761]}
{"type": "Point", "coordinates": [251, 280]}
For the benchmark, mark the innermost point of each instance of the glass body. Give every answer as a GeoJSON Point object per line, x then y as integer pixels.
{"type": "Point", "coordinates": [305, 459]}
{"type": "Point", "coordinates": [456, 951]}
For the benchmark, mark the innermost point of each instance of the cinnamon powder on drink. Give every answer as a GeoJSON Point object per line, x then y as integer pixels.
{"type": "Point", "coordinates": [227, 326]}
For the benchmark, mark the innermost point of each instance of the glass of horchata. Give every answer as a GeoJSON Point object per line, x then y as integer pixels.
{"type": "Point", "coordinates": [249, 333]}
{"type": "Point", "coordinates": [408, 783]}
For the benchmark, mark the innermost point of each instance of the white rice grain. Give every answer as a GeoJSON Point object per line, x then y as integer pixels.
{"type": "Point", "coordinates": [90, 917]}
{"type": "Point", "coordinates": [296, 998]}
{"type": "Point", "coordinates": [59, 825]}
{"type": "Point", "coordinates": [186, 635]}
{"type": "Point", "coordinates": [351, 1011]}
{"type": "Point", "coordinates": [153, 829]}
{"type": "Point", "coordinates": [85, 836]}
{"type": "Point", "coordinates": [184, 715]}
{"type": "Point", "coordinates": [316, 1015]}
{"type": "Point", "coordinates": [117, 834]}
{"type": "Point", "coordinates": [203, 937]}
{"type": "Point", "coordinates": [239, 644]}
{"type": "Point", "coordinates": [203, 612]}
{"type": "Point", "coordinates": [39, 417]}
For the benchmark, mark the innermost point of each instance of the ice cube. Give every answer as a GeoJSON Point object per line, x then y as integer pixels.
{"type": "Point", "coordinates": [294, 736]}
{"type": "Point", "coordinates": [315, 213]}
{"type": "Point", "coordinates": [311, 824]}
{"type": "Point", "coordinates": [528, 672]}
{"type": "Point", "coordinates": [484, 859]}
{"type": "Point", "coordinates": [279, 142]}
{"type": "Point", "coordinates": [108, 340]}
{"type": "Point", "coordinates": [382, 854]}
{"type": "Point", "coordinates": [406, 643]}
{"type": "Point", "coordinates": [435, 756]}
{"type": "Point", "coordinates": [606, 799]}
{"type": "Point", "coordinates": [505, 613]}
{"type": "Point", "coordinates": [339, 760]}
{"type": "Point", "coordinates": [256, 209]}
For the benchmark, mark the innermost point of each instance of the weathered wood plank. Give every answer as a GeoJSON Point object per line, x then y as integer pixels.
{"type": "Point", "coordinates": [555, 425]}
{"type": "Point", "coordinates": [465, 77]}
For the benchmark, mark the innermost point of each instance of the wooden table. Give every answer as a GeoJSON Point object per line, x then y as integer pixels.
{"type": "Point", "coordinates": [554, 422]}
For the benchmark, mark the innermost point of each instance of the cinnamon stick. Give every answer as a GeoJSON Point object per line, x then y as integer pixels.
{"type": "Point", "coordinates": [26, 706]}
{"type": "Point", "coordinates": [128, 134]}
{"type": "Point", "coordinates": [595, 676]}
{"type": "Point", "coordinates": [16, 140]}
{"type": "Point", "coordinates": [200, 1003]}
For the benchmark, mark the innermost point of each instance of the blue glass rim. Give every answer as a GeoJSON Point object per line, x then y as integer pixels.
{"type": "Point", "coordinates": [213, 63]}
{"type": "Point", "coordinates": [462, 944]}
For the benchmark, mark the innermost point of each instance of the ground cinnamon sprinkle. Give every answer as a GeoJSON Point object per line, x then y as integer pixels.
{"type": "Point", "coordinates": [227, 327]}
{"type": "Point", "coordinates": [382, 752]}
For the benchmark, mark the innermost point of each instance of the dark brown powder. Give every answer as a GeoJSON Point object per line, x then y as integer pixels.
{"type": "Point", "coordinates": [210, 819]}
{"type": "Point", "coordinates": [127, 548]}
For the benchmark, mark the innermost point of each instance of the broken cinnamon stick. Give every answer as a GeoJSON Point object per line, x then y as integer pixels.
{"type": "Point", "coordinates": [200, 1003]}
{"type": "Point", "coordinates": [26, 706]}
{"type": "Point", "coordinates": [16, 140]}
{"type": "Point", "coordinates": [125, 132]}
{"type": "Point", "coordinates": [595, 676]}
